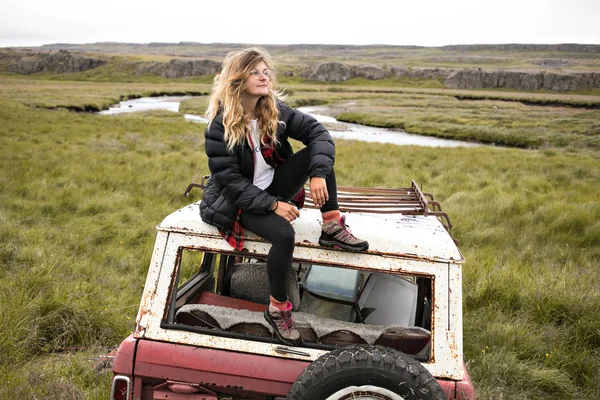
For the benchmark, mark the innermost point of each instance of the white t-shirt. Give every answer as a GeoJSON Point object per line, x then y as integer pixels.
{"type": "Point", "coordinates": [263, 172]}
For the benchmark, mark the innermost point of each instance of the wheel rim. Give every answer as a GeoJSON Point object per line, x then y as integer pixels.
{"type": "Point", "coordinates": [364, 393]}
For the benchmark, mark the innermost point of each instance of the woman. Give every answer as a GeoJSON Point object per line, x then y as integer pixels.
{"type": "Point", "coordinates": [255, 174]}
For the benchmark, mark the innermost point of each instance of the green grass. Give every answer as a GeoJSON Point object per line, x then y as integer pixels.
{"type": "Point", "coordinates": [76, 235]}
{"type": "Point", "coordinates": [61, 376]}
{"type": "Point", "coordinates": [495, 122]}
{"type": "Point", "coordinates": [487, 117]}
{"type": "Point", "coordinates": [88, 96]}
{"type": "Point", "coordinates": [196, 105]}
{"type": "Point", "coordinates": [81, 194]}
{"type": "Point", "coordinates": [529, 227]}
{"type": "Point", "coordinates": [372, 85]}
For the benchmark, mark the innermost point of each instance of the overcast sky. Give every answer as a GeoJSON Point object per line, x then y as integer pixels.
{"type": "Point", "coordinates": [414, 22]}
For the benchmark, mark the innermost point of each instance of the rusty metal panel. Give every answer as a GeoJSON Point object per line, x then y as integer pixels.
{"type": "Point", "coordinates": [448, 387]}
{"type": "Point", "coordinates": [394, 235]}
{"type": "Point", "coordinates": [442, 365]}
{"type": "Point", "coordinates": [398, 244]}
{"type": "Point", "coordinates": [247, 372]}
{"type": "Point", "coordinates": [455, 316]}
{"type": "Point", "coordinates": [152, 282]}
{"type": "Point", "coordinates": [464, 387]}
{"type": "Point", "coordinates": [124, 357]}
{"type": "Point", "coordinates": [447, 354]}
{"type": "Point", "coordinates": [169, 395]}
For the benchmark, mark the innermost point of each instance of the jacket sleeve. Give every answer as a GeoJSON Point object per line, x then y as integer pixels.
{"type": "Point", "coordinates": [308, 130]}
{"type": "Point", "coordinates": [224, 167]}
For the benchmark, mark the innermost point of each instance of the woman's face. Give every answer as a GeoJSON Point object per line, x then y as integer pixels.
{"type": "Point", "coordinates": [257, 84]}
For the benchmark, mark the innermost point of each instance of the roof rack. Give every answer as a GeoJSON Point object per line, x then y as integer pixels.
{"type": "Point", "coordinates": [406, 201]}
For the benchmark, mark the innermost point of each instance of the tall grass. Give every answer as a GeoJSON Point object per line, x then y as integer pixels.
{"type": "Point", "coordinates": [88, 96]}
{"type": "Point", "coordinates": [495, 119]}
{"type": "Point", "coordinates": [528, 223]}
{"type": "Point", "coordinates": [488, 121]}
{"type": "Point", "coordinates": [80, 195]}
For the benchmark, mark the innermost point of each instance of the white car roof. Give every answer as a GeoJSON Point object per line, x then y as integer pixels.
{"type": "Point", "coordinates": [393, 235]}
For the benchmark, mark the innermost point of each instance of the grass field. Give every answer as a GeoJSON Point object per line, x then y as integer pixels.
{"type": "Point", "coordinates": [80, 195]}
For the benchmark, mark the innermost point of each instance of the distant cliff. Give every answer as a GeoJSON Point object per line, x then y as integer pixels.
{"type": "Point", "coordinates": [517, 47]}
{"type": "Point", "coordinates": [466, 78]}
{"type": "Point", "coordinates": [521, 80]}
{"type": "Point", "coordinates": [178, 68]}
{"type": "Point", "coordinates": [58, 62]}
{"type": "Point", "coordinates": [548, 73]}
{"type": "Point", "coordinates": [27, 62]}
{"type": "Point", "coordinates": [338, 72]}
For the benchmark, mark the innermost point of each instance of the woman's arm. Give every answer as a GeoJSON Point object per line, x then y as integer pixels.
{"type": "Point", "coordinates": [308, 130]}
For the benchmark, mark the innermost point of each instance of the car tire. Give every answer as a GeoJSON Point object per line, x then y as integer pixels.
{"type": "Point", "coordinates": [366, 372]}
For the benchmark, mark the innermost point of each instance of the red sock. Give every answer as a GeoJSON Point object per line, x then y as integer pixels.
{"type": "Point", "coordinates": [282, 305]}
{"type": "Point", "coordinates": [333, 215]}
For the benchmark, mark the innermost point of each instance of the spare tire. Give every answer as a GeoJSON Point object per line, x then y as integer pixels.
{"type": "Point", "coordinates": [366, 372]}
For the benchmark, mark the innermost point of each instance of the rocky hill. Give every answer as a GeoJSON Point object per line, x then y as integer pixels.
{"type": "Point", "coordinates": [464, 78]}
{"type": "Point", "coordinates": [58, 62]}
{"type": "Point", "coordinates": [178, 68]}
{"type": "Point", "coordinates": [559, 68]}
{"type": "Point", "coordinates": [518, 47]}
{"type": "Point", "coordinates": [521, 80]}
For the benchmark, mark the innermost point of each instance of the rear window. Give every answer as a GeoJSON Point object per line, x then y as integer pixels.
{"type": "Point", "coordinates": [226, 295]}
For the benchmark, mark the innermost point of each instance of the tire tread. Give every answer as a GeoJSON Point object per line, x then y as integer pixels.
{"type": "Point", "coordinates": [419, 383]}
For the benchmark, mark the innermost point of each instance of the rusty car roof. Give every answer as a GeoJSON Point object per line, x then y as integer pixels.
{"type": "Point", "coordinates": [395, 235]}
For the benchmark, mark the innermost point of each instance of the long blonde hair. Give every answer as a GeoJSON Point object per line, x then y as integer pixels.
{"type": "Point", "coordinates": [227, 93]}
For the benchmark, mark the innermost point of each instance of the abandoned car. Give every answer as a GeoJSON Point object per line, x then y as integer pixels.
{"type": "Point", "coordinates": [382, 324]}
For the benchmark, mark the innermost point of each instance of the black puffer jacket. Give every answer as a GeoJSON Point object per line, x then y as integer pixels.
{"type": "Point", "coordinates": [230, 187]}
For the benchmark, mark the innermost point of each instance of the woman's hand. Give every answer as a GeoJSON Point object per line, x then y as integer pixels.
{"type": "Point", "coordinates": [286, 210]}
{"type": "Point", "coordinates": [318, 191]}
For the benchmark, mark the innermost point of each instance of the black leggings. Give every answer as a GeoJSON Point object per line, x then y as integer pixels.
{"type": "Point", "coordinates": [289, 178]}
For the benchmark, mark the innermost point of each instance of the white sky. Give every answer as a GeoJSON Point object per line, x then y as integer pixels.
{"type": "Point", "coordinates": [414, 22]}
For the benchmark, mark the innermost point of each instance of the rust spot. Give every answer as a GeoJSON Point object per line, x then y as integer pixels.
{"type": "Point", "coordinates": [434, 309]}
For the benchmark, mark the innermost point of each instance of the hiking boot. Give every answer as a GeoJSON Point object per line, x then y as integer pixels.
{"type": "Point", "coordinates": [337, 234]}
{"type": "Point", "coordinates": [283, 324]}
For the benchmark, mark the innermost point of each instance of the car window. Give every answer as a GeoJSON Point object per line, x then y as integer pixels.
{"type": "Point", "coordinates": [226, 294]}
{"type": "Point", "coordinates": [189, 266]}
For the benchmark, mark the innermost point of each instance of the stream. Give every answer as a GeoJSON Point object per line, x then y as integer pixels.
{"type": "Point", "coordinates": [338, 129]}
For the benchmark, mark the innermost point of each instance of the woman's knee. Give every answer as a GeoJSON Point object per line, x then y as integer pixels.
{"type": "Point", "coordinates": [285, 235]}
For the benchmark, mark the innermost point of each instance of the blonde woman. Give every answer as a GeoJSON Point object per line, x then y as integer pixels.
{"type": "Point", "coordinates": [255, 174]}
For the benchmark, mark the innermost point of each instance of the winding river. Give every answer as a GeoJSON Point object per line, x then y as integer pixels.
{"type": "Point", "coordinates": [338, 129]}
